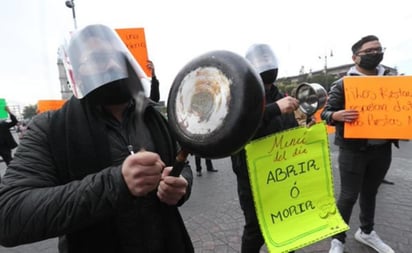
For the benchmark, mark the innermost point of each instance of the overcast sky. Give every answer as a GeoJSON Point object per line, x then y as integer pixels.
{"type": "Point", "coordinates": [177, 31]}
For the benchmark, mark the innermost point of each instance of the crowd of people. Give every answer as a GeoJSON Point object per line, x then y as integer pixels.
{"type": "Point", "coordinates": [95, 173]}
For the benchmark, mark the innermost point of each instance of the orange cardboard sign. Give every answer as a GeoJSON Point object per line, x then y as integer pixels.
{"type": "Point", "coordinates": [48, 105]}
{"type": "Point", "coordinates": [135, 40]}
{"type": "Point", "coordinates": [384, 104]}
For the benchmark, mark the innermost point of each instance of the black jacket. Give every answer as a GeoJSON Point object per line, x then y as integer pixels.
{"type": "Point", "coordinates": [336, 102]}
{"type": "Point", "coordinates": [7, 142]}
{"type": "Point", "coordinates": [154, 89]}
{"type": "Point", "coordinates": [273, 121]}
{"type": "Point", "coordinates": [64, 182]}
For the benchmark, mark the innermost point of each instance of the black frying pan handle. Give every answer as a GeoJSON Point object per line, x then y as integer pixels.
{"type": "Point", "coordinates": [179, 163]}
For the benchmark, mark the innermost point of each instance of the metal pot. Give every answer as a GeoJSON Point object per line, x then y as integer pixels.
{"type": "Point", "coordinates": [312, 97]}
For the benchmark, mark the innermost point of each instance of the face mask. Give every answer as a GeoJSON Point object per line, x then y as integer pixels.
{"type": "Point", "coordinates": [269, 76]}
{"type": "Point", "coordinates": [370, 61]}
{"type": "Point", "coordinates": [114, 93]}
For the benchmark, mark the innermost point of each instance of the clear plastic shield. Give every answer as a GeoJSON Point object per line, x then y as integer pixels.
{"type": "Point", "coordinates": [97, 57]}
{"type": "Point", "coordinates": [262, 57]}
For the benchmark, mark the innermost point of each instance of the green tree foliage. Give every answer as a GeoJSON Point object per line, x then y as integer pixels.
{"type": "Point", "coordinates": [323, 80]}
{"type": "Point", "coordinates": [286, 85]}
{"type": "Point", "coordinates": [29, 111]}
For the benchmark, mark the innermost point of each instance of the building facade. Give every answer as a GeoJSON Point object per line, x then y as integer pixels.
{"type": "Point", "coordinates": [324, 77]}
{"type": "Point", "coordinates": [65, 88]}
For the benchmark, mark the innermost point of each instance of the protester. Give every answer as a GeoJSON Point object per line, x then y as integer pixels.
{"type": "Point", "coordinates": [95, 172]}
{"type": "Point", "coordinates": [278, 116]}
{"type": "Point", "coordinates": [154, 88]}
{"type": "Point", "coordinates": [7, 141]}
{"type": "Point", "coordinates": [209, 165]}
{"type": "Point", "coordinates": [363, 163]}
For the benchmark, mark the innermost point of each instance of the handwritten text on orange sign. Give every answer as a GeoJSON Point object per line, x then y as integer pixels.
{"type": "Point", "coordinates": [384, 104]}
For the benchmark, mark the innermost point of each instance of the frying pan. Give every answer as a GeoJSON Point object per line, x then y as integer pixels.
{"type": "Point", "coordinates": [215, 105]}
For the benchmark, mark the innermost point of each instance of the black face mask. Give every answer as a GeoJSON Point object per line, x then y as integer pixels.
{"type": "Point", "coordinates": [370, 61]}
{"type": "Point", "coordinates": [114, 93]}
{"type": "Point", "coordinates": [269, 76]}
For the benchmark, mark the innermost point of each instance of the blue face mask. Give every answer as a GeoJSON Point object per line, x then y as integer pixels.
{"type": "Point", "coordinates": [370, 61]}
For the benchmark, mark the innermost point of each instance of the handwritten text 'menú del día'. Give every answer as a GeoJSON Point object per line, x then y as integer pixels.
{"type": "Point", "coordinates": [281, 142]}
{"type": "Point", "coordinates": [284, 147]}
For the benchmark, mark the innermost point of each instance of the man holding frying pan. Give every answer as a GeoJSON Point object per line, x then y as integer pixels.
{"type": "Point", "coordinates": [96, 173]}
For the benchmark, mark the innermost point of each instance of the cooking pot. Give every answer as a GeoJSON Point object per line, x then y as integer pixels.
{"type": "Point", "coordinates": [311, 96]}
{"type": "Point", "coordinates": [215, 104]}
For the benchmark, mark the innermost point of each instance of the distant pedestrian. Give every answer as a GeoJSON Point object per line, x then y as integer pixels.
{"type": "Point", "coordinates": [154, 88]}
{"type": "Point", "coordinates": [209, 165]}
{"type": "Point", "coordinates": [7, 142]}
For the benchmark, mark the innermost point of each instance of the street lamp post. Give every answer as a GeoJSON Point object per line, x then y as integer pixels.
{"type": "Point", "coordinates": [70, 4]}
{"type": "Point", "coordinates": [325, 67]}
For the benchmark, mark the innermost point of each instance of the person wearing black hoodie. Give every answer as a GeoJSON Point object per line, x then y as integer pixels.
{"type": "Point", "coordinates": [97, 172]}
{"type": "Point", "coordinates": [279, 115]}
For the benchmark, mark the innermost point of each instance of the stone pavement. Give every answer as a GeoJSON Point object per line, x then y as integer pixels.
{"type": "Point", "coordinates": [215, 220]}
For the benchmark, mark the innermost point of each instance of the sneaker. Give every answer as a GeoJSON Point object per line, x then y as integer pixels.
{"type": "Point", "coordinates": [199, 173]}
{"type": "Point", "coordinates": [336, 246]}
{"type": "Point", "coordinates": [373, 241]}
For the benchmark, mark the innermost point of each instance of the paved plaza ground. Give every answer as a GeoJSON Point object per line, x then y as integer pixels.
{"type": "Point", "coordinates": [215, 221]}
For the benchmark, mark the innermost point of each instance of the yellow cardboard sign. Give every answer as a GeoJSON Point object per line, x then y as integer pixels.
{"type": "Point", "coordinates": [291, 179]}
{"type": "Point", "coordinates": [384, 104]}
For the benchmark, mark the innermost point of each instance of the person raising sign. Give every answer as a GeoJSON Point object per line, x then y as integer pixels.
{"type": "Point", "coordinates": [363, 163]}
